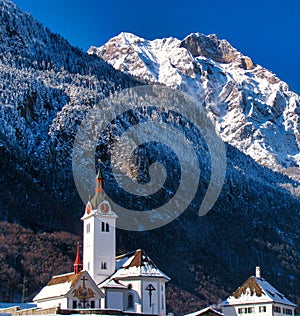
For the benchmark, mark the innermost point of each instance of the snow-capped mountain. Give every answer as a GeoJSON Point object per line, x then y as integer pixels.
{"type": "Point", "coordinates": [47, 87]}
{"type": "Point", "coordinates": [253, 110]}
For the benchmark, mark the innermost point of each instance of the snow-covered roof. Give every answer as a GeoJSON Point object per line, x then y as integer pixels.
{"type": "Point", "coordinates": [275, 295]}
{"type": "Point", "coordinates": [206, 311]}
{"type": "Point", "coordinates": [112, 284]}
{"type": "Point", "coordinates": [256, 290]}
{"type": "Point", "coordinates": [58, 286]}
{"type": "Point", "coordinates": [136, 264]}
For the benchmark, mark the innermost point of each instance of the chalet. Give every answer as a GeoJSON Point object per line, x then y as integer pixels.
{"type": "Point", "coordinates": [258, 298]}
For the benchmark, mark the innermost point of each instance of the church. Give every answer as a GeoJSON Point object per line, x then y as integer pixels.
{"type": "Point", "coordinates": [129, 283]}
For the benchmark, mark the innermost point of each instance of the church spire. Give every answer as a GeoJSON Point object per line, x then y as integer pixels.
{"type": "Point", "coordinates": [77, 262]}
{"type": "Point", "coordinates": [99, 191]}
{"type": "Point", "coordinates": [99, 180]}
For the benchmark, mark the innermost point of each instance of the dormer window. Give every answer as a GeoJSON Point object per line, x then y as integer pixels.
{"type": "Point", "coordinates": [271, 293]}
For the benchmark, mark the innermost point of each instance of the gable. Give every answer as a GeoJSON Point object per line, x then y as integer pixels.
{"type": "Point", "coordinates": [256, 290]}
{"type": "Point", "coordinates": [69, 285]}
{"type": "Point", "coordinates": [84, 288]}
{"type": "Point", "coordinates": [250, 287]}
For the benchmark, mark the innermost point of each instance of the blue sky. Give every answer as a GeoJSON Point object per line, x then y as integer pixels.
{"type": "Point", "coordinates": [267, 31]}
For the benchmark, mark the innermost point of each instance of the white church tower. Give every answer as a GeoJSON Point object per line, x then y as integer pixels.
{"type": "Point", "coordinates": [99, 241]}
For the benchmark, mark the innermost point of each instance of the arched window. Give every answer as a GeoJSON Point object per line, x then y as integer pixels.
{"type": "Point", "coordinates": [130, 301]}
{"type": "Point", "coordinates": [103, 226]}
{"type": "Point", "coordinates": [107, 227]}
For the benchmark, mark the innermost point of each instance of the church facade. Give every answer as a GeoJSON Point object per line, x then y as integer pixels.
{"type": "Point", "coordinates": [130, 282]}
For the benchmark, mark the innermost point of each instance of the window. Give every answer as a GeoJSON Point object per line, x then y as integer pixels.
{"type": "Point", "coordinates": [103, 265]}
{"type": "Point", "coordinates": [88, 266]}
{"type": "Point", "coordinates": [92, 304]}
{"type": "Point", "coordinates": [277, 309]}
{"type": "Point", "coordinates": [88, 228]}
{"type": "Point", "coordinates": [246, 310]}
{"type": "Point", "coordinates": [262, 309]}
{"type": "Point", "coordinates": [130, 301]}
{"type": "Point", "coordinates": [74, 305]}
{"type": "Point", "coordinates": [104, 227]}
{"type": "Point", "coordinates": [287, 311]}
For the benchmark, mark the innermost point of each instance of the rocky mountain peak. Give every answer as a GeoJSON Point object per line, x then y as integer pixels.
{"type": "Point", "coordinates": [239, 95]}
{"type": "Point", "coordinates": [212, 47]}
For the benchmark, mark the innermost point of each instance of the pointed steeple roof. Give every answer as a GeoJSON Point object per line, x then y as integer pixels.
{"type": "Point", "coordinates": [99, 191]}
{"type": "Point", "coordinates": [77, 262]}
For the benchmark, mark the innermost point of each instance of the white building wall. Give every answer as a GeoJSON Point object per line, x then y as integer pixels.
{"type": "Point", "coordinates": [114, 299]}
{"type": "Point", "coordinates": [158, 300]}
{"type": "Point", "coordinates": [135, 288]}
{"type": "Point", "coordinates": [104, 248]}
{"type": "Point", "coordinates": [62, 302]}
{"type": "Point", "coordinates": [155, 297]}
{"type": "Point", "coordinates": [99, 246]}
{"type": "Point", "coordinates": [88, 249]}
{"type": "Point", "coordinates": [141, 299]}
{"type": "Point", "coordinates": [257, 310]}
{"type": "Point", "coordinates": [283, 309]}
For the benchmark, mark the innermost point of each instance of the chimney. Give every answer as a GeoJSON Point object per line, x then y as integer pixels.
{"type": "Point", "coordinates": [257, 272]}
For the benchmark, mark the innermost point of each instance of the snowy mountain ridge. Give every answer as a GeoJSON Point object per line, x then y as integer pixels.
{"type": "Point", "coordinates": [47, 87]}
{"type": "Point", "coordinates": [253, 110]}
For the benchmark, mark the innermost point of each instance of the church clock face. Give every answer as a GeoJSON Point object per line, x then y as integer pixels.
{"type": "Point", "coordinates": [105, 207]}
